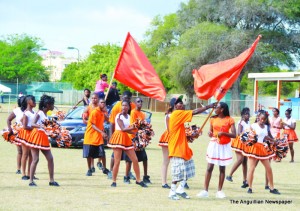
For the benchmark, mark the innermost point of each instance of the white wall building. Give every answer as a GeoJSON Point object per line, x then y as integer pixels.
{"type": "Point", "coordinates": [55, 62]}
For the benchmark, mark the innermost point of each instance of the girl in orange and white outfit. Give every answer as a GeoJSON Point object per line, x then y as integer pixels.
{"type": "Point", "coordinates": [24, 134]}
{"type": "Point", "coordinates": [16, 114]}
{"type": "Point", "coordinates": [39, 140]}
{"type": "Point", "coordinates": [289, 125]}
{"type": "Point", "coordinates": [120, 141]}
{"type": "Point", "coordinates": [163, 143]}
{"type": "Point", "coordinates": [238, 146]}
{"type": "Point", "coordinates": [222, 129]}
{"type": "Point", "coordinates": [258, 152]}
{"type": "Point", "coordinates": [275, 123]}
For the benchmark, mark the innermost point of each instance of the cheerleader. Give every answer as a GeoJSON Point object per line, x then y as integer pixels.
{"type": "Point", "coordinates": [120, 141]}
{"type": "Point", "coordinates": [24, 134]}
{"type": "Point", "coordinates": [219, 148]}
{"type": "Point", "coordinates": [258, 152]}
{"type": "Point", "coordinates": [289, 125]}
{"type": "Point", "coordinates": [163, 143]}
{"type": "Point", "coordinates": [275, 123]}
{"type": "Point", "coordinates": [39, 141]}
{"type": "Point", "coordinates": [114, 112]}
{"type": "Point", "coordinates": [141, 154]}
{"type": "Point", "coordinates": [237, 146]}
{"type": "Point", "coordinates": [16, 114]}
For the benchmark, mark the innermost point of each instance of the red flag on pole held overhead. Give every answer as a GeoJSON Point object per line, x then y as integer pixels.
{"type": "Point", "coordinates": [215, 79]}
{"type": "Point", "coordinates": [135, 70]}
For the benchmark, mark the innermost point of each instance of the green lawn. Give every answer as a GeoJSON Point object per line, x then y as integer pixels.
{"type": "Point", "coordinates": [78, 192]}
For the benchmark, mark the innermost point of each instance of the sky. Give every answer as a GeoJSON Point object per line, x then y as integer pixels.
{"type": "Point", "coordinates": [81, 24]}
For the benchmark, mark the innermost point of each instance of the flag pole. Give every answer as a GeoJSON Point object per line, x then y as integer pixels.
{"type": "Point", "coordinates": [204, 123]}
{"type": "Point", "coordinates": [110, 83]}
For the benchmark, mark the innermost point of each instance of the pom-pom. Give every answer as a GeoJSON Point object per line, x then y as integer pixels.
{"type": "Point", "coordinates": [249, 137]}
{"type": "Point", "coordinates": [192, 132]}
{"type": "Point", "coordinates": [143, 136]}
{"type": "Point", "coordinates": [10, 137]}
{"type": "Point", "coordinates": [60, 115]}
{"type": "Point", "coordinates": [280, 147]}
{"type": "Point", "coordinates": [65, 139]}
{"type": "Point", "coordinates": [54, 131]}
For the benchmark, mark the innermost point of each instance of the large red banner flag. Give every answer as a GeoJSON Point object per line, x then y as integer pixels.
{"type": "Point", "coordinates": [135, 70]}
{"type": "Point", "coordinates": [215, 79]}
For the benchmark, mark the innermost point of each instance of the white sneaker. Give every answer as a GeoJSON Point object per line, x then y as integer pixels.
{"type": "Point", "coordinates": [173, 196]}
{"type": "Point", "coordinates": [202, 194]}
{"type": "Point", "coordinates": [220, 194]}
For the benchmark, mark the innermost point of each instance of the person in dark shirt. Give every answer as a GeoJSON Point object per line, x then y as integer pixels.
{"type": "Point", "coordinates": [113, 95]}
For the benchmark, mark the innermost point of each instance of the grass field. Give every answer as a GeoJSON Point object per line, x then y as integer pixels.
{"type": "Point", "coordinates": [79, 192]}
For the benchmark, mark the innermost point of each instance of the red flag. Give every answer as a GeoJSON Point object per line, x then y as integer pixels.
{"type": "Point", "coordinates": [135, 70]}
{"type": "Point", "coordinates": [215, 79]}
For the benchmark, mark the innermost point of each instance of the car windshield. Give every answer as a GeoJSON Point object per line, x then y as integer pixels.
{"type": "Point", "coordinates": [75, 114]}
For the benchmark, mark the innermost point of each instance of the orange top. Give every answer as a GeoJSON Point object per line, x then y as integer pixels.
{"type": "Point", "coordinates": [91, 136]}
{"type": "Point", "coordinates": [135, 114]}
{"type": "Point", "coordinates": [221, 125]}
{"type": "Point", "coordinates": [117, 109]}
{"type": "Point", "coordinates": [85, 115]}
{"type": "Point", "coordinates": [178, 143]}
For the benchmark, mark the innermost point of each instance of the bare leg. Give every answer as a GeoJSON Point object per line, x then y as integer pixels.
{"type": "Point", "coordinates": [250, 175]}
{"type": "Point", "coordinates": [25, 154]}
{"type": "Point", "coordinates": [50, 161]}
{"type": "Point", "coordinates": [19, 157]}
{"type": "Point", "coordinates": [145, 165]}
{"type": "Point", "coordinates": [221, 177]}
{"type": "Point", "coordinates": [117, 159]}
{"type": "Point", "coordinates": [291, 146]}
{"type": "Point", "coordinates": [127, 168]}
{"type": "Point", "coordinates": [111, 164]}
{"type": "Point", "coordinates": [89, 162]}
{"type": "Point", "coordinates": [131, 154]}
{"type": "Point", "coordinates": [165, 164]}
{"type": "Point", "coordinates": [244, 164]}
{"type": "Point", "coordinates": [238, 162]}
{"type": "Point", "coordinates": [209, 170]}
{"type": "Point", "coordinates": [29, 161]}
{"type": "Point", "coordinates": [35, 160]}
{"type": "Point", "coordinates": [92, 163]}
{"type": "Point", "coordinates": [269, 172]}
{"type": "Point", "coordinates": [103, 159]}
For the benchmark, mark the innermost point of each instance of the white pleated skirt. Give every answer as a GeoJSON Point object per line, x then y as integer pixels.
{"type": "Point", "coordinates": [219, 154]}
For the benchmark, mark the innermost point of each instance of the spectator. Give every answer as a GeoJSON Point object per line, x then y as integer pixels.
{"type": "Point", "coordinates": [20, 94]}
{"type": "Point", "coordinates": [101, 85]}
{"type": "Point", "coordinates": [113, 95]}
{"type": "Point", "coordinates": [85, 99]}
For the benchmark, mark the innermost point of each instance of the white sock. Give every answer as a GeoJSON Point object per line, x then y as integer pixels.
{"type": "Point", "coordinates": [180, 188]}
{"type": "Point", "coordinates": [172, 190]}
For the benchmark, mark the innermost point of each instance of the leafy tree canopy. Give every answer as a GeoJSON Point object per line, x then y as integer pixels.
{"type": "Point", "coordinates": [102, 59]}
{"type": "Point", "coordinates": [19, 59]}
{"type": "Point", "coordinates": [208, 31]}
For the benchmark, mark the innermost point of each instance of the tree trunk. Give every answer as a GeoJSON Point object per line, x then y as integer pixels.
{"type": "Point", "coordinates": [235, 108]}
{"type": "Point", "coordinates": [189, 101]}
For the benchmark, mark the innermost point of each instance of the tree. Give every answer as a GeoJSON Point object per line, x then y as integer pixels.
{"type": "Point", "coordinates": [19, 59]}
{"type": "Point", "coordinates": [102, 59]}
{"type": "Point", "coordinates": [208, 31]}
{"type": "Point", "coordinates": [161, 40]}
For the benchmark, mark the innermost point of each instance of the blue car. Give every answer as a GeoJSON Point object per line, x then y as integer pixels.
{"type": "Point", "coordinates": [73, 122]}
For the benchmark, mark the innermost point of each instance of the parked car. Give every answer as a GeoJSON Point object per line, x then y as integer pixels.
{"type": "Point", "coordinates": [73, 122]}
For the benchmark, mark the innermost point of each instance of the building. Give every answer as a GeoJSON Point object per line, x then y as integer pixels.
{"type": "Point", "coordinates": [55, 62]}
